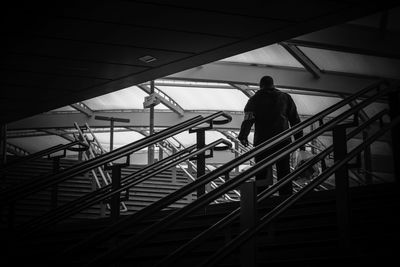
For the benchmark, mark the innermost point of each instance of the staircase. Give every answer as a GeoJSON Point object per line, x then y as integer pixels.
{"type": "Point", "coordinates": [139, 196]}
{"type": "Point", "coordinates": [308, 229]}
{"type": "Point", "coordinates": [305, 235]}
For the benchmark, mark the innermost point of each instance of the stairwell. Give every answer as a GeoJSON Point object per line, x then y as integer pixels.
{"type": "Point", "coordinates": [140, 196]}
{"type": "Point", "coordinates": [305, 235]}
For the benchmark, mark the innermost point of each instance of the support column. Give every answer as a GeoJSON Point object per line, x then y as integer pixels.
{"type": "Point", "coordinates": [151, 128]}
{"type": "Point", "coordinates": [342, 183]}
{"type": "Point", "coordinates": [116, 184]}
{"type": "Point", "coordinates": [367, 161]}
{"type": "Point", "coordinates": [237, 154]}
{"type": "Point", "coordinates": [191, 171]}
{"type": "Point", "coordinates": [174, 175]}
{"type": "Point", "coordinates": [3, 144]}
{"type": "Point", "coordinates": [111, 134]}
{"type": "Point", "coordinates": [248, 218]}
{"type": "Point", "coordinates": [54, 189]}
{"type": "Point", "coordinates": [201, 160]}
{"type": "Point", "coordinates": [112, 121]}
{"type": "Point", "coordinates": [394, 103]}
{"type": "Point", "coordinates": [160, 153]}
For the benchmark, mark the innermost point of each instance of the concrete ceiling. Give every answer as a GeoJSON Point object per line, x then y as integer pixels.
{"type": "Point", "coordinates": [60, 54]}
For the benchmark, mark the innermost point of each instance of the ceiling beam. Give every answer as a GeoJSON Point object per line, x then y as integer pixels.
{"type": "Point", "coordinates": [284, 77]}
{"type": "Point", "coordinates": [138, 118]}
{"type": "Point", "coordinates": [81, 107]}
{"type": "Point", "coordinates": [58, 123]}
{"type": "Point", "coordinates": [302, 59]}
{"type": "Point", "coordinates": [352, 39]}
{"type": "Point", "coordinates": [61, 133]}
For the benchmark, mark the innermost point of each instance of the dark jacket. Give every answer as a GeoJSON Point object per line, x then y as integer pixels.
{"type": "Point", "coordinates": [274, 111]}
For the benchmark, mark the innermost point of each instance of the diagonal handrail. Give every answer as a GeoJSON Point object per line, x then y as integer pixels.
{"type": "Point", "coordinates": [39, 154]}
{"type": "Point", "coordinates": [38, 185]}
{"type": "Point", "coordinates": [194, 242]}
{"type": "Point", "coordinates": [129, 181]}
{"type": "Point", "coordinates": [77, 205]}
{"type": "Point", "coordinates": [248, 233]}
{"type": "Point", "coordinates": [234, 182]}
{"type": "Point", "coordinates": [201, 181]}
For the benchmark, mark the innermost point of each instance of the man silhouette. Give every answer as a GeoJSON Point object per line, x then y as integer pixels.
{"type": "Point", "coordinates": [272, 112]}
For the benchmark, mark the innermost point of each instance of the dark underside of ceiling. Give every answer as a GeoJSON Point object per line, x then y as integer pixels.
{"type": "Point", "coordinates": [59, 54]}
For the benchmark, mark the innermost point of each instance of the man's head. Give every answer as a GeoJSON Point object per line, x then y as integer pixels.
{"type": "Point", "coordinates": [266, 82]}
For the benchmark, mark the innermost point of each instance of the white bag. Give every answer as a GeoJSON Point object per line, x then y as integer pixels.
{"type": "Point", "coordinates": [300, 157]}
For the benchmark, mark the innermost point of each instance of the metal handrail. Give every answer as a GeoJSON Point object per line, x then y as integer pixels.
{"type": "Point", "coordinates": [41, 153]}
{"type": "Point", "coordinates": [104, 193]}
{"type": "Point", "coordinates": [234, 182]}
{"type": "Point", "coordinates": [189, 162]}
{"type": "Point", "coordinates": [148, 175]}
{"type": "Point", "coordinates": [81, 203]}
{"type": "Point", "coordinates": [263, 221]}
{"type": "Point", "coordinates": [37, 185]}
{"type": "Point", "coordinates": [90, 153]}
{"type": "Point", "coordinates": [174, 256]}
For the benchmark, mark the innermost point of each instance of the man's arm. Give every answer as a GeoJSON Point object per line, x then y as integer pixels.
{"type": "Point", "coordinates": [246, 128]}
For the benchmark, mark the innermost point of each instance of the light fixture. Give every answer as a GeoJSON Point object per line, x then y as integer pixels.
{"type": "Point", "coordinates": [147, 59]}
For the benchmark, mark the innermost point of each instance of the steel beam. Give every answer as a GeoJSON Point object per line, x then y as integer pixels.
{"type": "Point", "coordinates": [61, 133]}
{"type": "Point", "coordinates": [302, 59]}
{"type": "Point", "coordinates": [164, 98]}
{"type": "Point", "coordinates": [138, 118]}
{"type": "Point", "coordinates": [81, 107]}
{"type": "Point", "coordinates": [294, 78]}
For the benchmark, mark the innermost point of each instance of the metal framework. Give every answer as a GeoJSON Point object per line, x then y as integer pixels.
{"type": "Point", "coordinates": [225, 75]}
{"type": "Point", "coordinates": [291, 78]}
{"type": "Point", "coordinates": [303, 59]}
{"type": "Point", "coordinates": [164, 98]}
{"type": "Point", "coordinates": [81, 107]}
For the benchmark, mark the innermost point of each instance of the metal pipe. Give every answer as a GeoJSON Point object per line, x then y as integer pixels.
{"type": "Point", "coordinates": [229, 185]}
{"type": "Point", "coordinates": [261, 196]}
{"type": "Point", "coordinates": [248, 233]}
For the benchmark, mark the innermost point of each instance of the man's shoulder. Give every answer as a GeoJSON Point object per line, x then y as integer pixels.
{"type": "Point", "coordinates": [282, 94]}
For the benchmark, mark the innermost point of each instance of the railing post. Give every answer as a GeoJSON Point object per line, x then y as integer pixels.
{"type": "Point", "coordinates": [160, 153]}
{"type": "Point", "coordinates": [191, 171]}
{"type": "Point", "coordinates": [341, 182]}
{"type": "Point", "coordinates": [173, 174]}
{"type": "Point", "coordinates": [116, 184]}
{"type": "Point", "coordinates": [237, 154]}
{"type": "Point", "coordinates": [201, 159]}
{"type": "Point", "coordinates": [3, 144]}
{"type": "Point", "coordinates": [367, 161]}
{"type": "Point", "coordinates": [150, 150]}
{"type": "Point", "coordinates": [394, 103]}
{"type": "Point", "coordinates": [248, 218]}
{"type": "Point", "coordinates": [54, 189]}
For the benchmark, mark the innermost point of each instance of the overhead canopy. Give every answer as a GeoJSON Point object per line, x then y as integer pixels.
{"type": "Point", "coordinates": [274, 55]}
{"type": "Point", "coordinates": [314, 69]}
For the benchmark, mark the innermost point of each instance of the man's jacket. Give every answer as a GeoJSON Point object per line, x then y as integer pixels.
{"type": "Point", "coordinates": [272, 112]}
